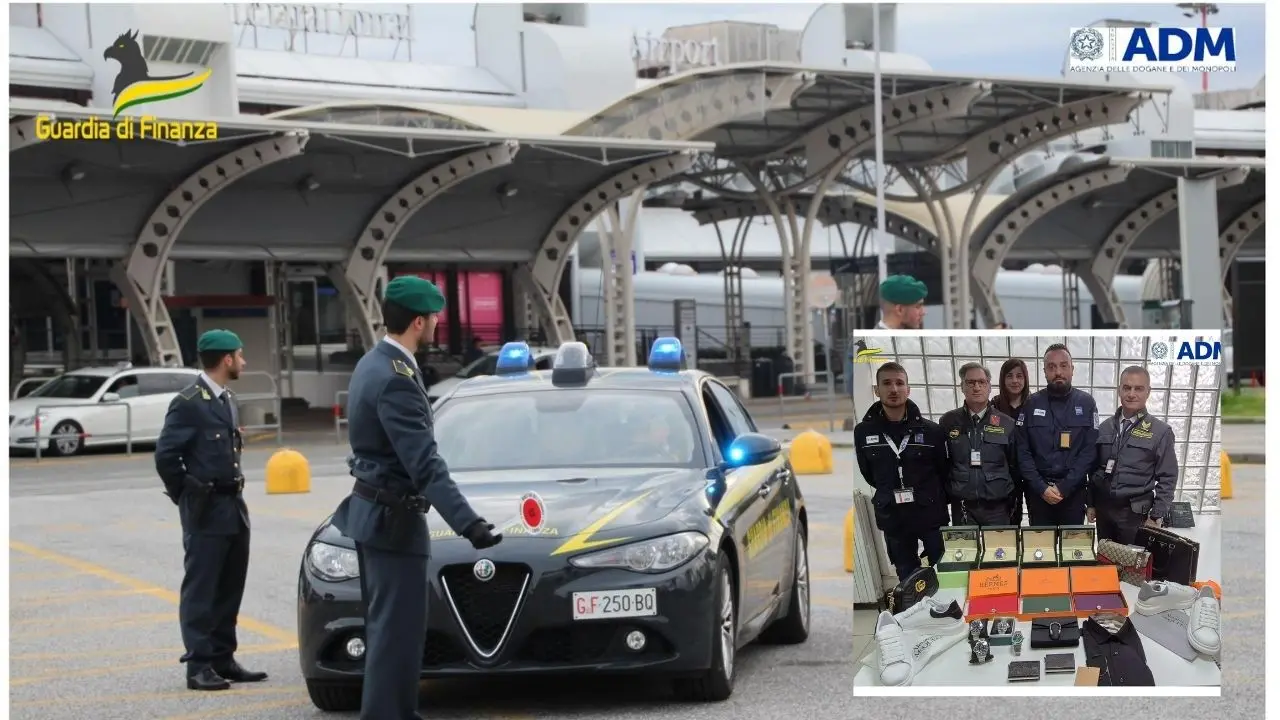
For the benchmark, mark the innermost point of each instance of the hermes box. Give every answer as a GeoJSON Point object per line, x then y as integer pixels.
{"type": "Point", "coordinates": [1097, 589]}
{"type": "Point", "coordinates": [999, 547]}
{"type": "Point", "coordinates": [1045, 592]}
{"type": "Point", "coordinates": [961, 548]}
{"type": "Point", "coordinates": [1076, 545]}
{"type": "Point", "coordinates": [992, 593]}
{"type": "Point", "coordinates": [1039, 546]}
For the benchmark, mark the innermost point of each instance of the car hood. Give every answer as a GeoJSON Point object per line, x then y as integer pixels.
{"type": "Point", "coordinates": [26, 407]}
{"type": "Point", "coordinates": [444, 386]}
{"type": "Point", "coordinates": [575, 501]}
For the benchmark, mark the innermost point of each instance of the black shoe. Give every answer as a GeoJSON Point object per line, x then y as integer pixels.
{"type": "Point", "coordinates": [206, 679]}
{"type": "Point", "coordinates": [236, 673]}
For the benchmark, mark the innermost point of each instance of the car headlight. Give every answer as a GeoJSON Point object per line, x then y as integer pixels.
{"type": "Point", "coordinates": [333, 563]}
{"type": "Point", "coordinates": [28, 421]}
{"type": "Point", "coordinates": [651, 556]}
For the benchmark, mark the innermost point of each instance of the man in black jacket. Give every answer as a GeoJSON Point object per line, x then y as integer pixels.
{"type": "Point", "coordinates": [903, 456]}
{"type": "Point", "coordinates": [982, 450]}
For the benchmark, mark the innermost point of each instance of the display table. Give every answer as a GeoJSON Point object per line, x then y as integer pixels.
{"type": "Point", "coordinates": [952, 667]}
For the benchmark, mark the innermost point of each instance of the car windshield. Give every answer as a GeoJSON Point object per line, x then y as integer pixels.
{"type": "Point", "coordinates": [568, 428]}
{"type": "Point", "coordinates": [71, 387]}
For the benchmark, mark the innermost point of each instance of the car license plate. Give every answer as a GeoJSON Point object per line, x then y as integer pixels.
{"type": "Point", "coordinates": [603, 605]}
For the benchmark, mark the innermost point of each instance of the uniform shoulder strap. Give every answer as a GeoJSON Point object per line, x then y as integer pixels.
{"type": "Point", "coordinates": [190, 392]}
{"type": "Point", "coordinates": [402, 368]}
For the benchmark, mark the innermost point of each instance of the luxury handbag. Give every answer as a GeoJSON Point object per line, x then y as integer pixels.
{"type": "Point", "coordinates": [920, 584]}
{"type": "Point", "coordinates": [1134, 563]}
{"type": "Point", "coordinates": [1173, 557]}
{"type": "Point", "coordinates": [1055, 632]}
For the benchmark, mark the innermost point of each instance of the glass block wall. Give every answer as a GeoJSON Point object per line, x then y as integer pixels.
{"type": "Point", "coordinates": [1184, 395]}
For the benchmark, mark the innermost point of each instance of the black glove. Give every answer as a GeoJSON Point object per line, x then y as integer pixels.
{"type": "Point", "coordinates": [481, 535]}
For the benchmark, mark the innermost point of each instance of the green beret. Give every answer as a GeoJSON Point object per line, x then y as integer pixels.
{"type": "Point", "coordinates": [902, 290]}
{"type": "Point", "coordinates": [219, 341]}
{"type": "Point", "coordinates": [415, 293]}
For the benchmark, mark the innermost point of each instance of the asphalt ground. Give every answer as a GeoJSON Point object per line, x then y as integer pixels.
{"type": "Point", "coordinates": [95, 563]}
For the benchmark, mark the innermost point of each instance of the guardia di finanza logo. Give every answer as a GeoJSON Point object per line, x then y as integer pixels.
{"type": "Point", "coordinates": [134, 83]}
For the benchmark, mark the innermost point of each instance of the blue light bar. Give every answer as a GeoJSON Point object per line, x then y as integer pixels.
{"type": "Point", "coordinates": [667, 354]}
{"type": "Point", "coordinates": [513, 359]}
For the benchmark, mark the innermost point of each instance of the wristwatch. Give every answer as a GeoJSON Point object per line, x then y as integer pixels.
{"type": "Point", "coordinates": [1039, 554]}
{"type": "Point", "coordinates": [999, 553]}
{"type": "Point", "coordinates": [960, 554]}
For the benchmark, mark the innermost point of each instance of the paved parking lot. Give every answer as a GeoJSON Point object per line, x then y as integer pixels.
{"type": "Point", "coordinates": [95, 558]}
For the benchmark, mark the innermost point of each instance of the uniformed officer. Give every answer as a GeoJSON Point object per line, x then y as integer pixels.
{"type": "Point", "coordinates": [902, 303]}
{"type": "Point", "coordinates": [399, 476]}
{"type": "Point", "coordinates": [903, 456]}
{"type": "Point", "coordinates": [1057, 447]}
{"type": "Point", "coordinates": [983, 452]}
{"type": "Point", "coordinates": [198, 459]}
{"type": "Point", "coordinates": [1137, 468]}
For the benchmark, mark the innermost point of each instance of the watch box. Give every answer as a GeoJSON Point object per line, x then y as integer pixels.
{"type": "Point", "coordinates": [1097, 589]}
{"type": "Point", "coordinates": [1045, 592]}
{"type": "Point", "coordinates": [1076, 545]}
{"type": "Point", "coordinates": [1001, 630]}
{"type": "Point", "coordinates": [992, 593]}
{"type": "Point", "coordinates": [961, 548]}
{"type": "Point", "coordinates": [1042, 540]}
{"type": "Point", "coordinates": [999, 547]}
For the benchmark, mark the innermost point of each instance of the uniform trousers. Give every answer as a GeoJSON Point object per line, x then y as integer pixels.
{"type": "Point", "coordinates": [394, 588]}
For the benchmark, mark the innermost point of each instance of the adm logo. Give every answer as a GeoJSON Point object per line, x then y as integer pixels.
{"type": "Point", "coordinates": [134, 83]}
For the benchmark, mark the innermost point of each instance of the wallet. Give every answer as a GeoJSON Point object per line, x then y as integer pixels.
{"type": "Point", "coordinates": [1059, 663]}
{"type": "Point", "coordinates": [1022, 670]}
{"type": "Point", "coordinates": [1174, 558]}
{"type": "Point", "coordinates": [1055, 632]}
{"type": "Point", "coordinates": [919, 585]}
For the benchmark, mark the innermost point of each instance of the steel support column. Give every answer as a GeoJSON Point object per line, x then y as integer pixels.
{"type": "Point", "coordinates": [617, 240]}
{"type": "Point", "coordinates": [1099, 276]}
{"type": "Point", "coordinates": [1201, 262]}
{"type": "Point", "coordinates": [140, 276]}
{"type": "Point", "coordinates": [542, 275]}
{"type": "Point", "coordinates": [357, 278]}
{"type": "Point", "coordinates": [735, 312]}
{"type": "Point", "coordinates": [1232, 238]}
{"type": "Point", "coordinates": [996, 246]}
{"type": "Point", "coordinates": [23, 133]}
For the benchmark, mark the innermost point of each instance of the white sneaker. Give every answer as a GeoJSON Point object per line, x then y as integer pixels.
{"type": "Point", "coordinates": [904, 652]}
{"type": "Point", "coordinates": [1203, 629]}
{"type": "Point", "coordinates": [1157, 596]}
{"type": "Point", "coordinates": [930, 614]}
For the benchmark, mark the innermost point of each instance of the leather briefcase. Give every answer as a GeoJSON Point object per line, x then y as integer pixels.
{"type": "Point", "coordinates": [1055, 632]}
{"type": "Point", "coordinates": [920, 584]}
{"type": "Point", "coordinates": [1133, 563]}
{"type": "Point", "coordinates": [1174, 558]}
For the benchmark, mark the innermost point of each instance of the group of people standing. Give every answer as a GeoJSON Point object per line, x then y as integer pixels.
{"type": "Point", "coordinates": [1046, 454]}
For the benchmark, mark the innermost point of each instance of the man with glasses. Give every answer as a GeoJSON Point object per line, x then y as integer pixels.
{"type": "Point", "coordinates": [1137, 467]}
{"type": "Point", "coordinates": [982, 448]}
{"type": "Point", "coordinates": [1057, 444]}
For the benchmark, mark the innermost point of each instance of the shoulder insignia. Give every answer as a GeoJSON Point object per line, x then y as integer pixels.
{"type": "Point", "coordinates": [995, 419]}
{"type": "Point", "coordinates": [402, 368]}
{"type": "Point", "coordinates": [1146, 424]}
{"type": "Point", "coordinates": [955, 432]}
{"type": "Point", "coordinates": [205, 394]}
{"type": "Point", "coordinates": [189, 393]}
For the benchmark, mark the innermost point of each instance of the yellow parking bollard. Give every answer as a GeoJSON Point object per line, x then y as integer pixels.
{"type": "Point", "coordinates": [811, 454]}
{"type": "Point", "coordinates": [848, 542]}
{"type": "Point", "coordinates": [1226, 475]}
{"type": "Point", "coordinates": [288, 472]}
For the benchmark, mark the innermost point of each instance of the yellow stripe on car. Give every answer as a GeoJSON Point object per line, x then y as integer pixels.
{"type": "Point", "coordinates": [743, 482]}
{"type": "Point", "coordinates": [582, 540]}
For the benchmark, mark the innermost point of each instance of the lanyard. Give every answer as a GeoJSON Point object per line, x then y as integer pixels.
{"type": "Point", "coordinates": [897, 451]}
{"type": "Point", "coordinates": [1122, 438]}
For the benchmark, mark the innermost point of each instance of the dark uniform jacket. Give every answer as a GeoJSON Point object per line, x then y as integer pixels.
{"type": "Point", "coordinates": [199, 445]}
{"type": "Point", "coordinates": [996, 439]}
{"type": "Point", "coordinates": [1043, 419]}
{"type": "Point", "coordinates": [924, 467]}
{"type": "Point", "coordinates": [1146, 466]}
{"type": "Point", "coordinates": [393, 449]}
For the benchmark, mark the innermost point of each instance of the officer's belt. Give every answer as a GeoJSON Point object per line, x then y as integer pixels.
{"type": "Point", "coordinates": [410, 503]}
{"type": "Point", "coordinates": [231, 488]}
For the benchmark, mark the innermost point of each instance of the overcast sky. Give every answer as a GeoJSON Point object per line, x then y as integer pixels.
{"type": "Point", "coordinates": [1026, 39]}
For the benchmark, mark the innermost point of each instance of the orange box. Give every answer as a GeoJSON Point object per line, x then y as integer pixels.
{"type": "Point", "coordinates": [1096, 588]}
{"type": "Point", "coordinates": [992, 593]}
{"type": "Point", "coordinates": [1046, 592]}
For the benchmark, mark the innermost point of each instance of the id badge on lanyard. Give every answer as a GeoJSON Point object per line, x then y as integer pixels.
{"type": "Point", "coordinates": [903, 494]}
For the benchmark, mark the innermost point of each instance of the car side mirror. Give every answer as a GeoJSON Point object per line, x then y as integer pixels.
{"type": "Point", "coordinates": [110, 397]}
{"type": "Point", "coordinates": [752, 449]}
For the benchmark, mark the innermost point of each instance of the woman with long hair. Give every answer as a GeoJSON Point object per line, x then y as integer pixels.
{"type": "Point", "coordinates": [1014, 390]}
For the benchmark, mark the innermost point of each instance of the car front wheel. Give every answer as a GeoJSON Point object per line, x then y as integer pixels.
{"type": "Point", "coordinates": [67, 439]}
{"type": "Point", "coordinates": [334, 696]}
{"type": "Point", "coordinates": [716, 684]}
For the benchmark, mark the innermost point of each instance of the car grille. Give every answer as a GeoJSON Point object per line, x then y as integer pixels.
{"type": "Point", "coordinates": [588, 643]}
{"type": "Point", "coordinates": [440, 649]}
{"type": "Point", "coordinates": [485, 610]}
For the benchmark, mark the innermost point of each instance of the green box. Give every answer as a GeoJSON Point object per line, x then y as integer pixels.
{"type": "Point", "coordinates": [954, 580]}
{"type": "Point", "coordinates": [1038, 537]}
{"type": "Point", "coordinates": [1077, 537]}
{"type": "Point", "coordinates": [995, 637]}
{"type": "Point", "coordinates": [996, 538]}
{"type": "Point", "coordinates": [1046, 604]}
{"type": "Point", "coordinates": [965, 540]}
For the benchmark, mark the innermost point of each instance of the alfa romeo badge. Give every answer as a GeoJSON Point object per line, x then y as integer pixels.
{"type": "Point", "coordinates": [483, 570]}
{"type": "Point", "coordinates": [532, 513]}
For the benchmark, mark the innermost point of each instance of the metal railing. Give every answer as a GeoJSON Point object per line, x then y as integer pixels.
{"type": "Point", "coordinates": [807, 397]}
{"type": "Point", "coordinates": [272, 396]}
{"type": "Point", "coordinates": [339, 414]}
{"type": "Point", "coordinates": [127, 434]}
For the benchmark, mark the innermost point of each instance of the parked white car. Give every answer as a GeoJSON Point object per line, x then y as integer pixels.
{"type": "Point", "coordinates": [487, 365]}
{"type": "Point", "coordinates": [96, 406]}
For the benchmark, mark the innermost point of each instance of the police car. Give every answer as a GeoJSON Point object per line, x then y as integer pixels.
{"type": "Point", "coordinates": [648, 528]}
